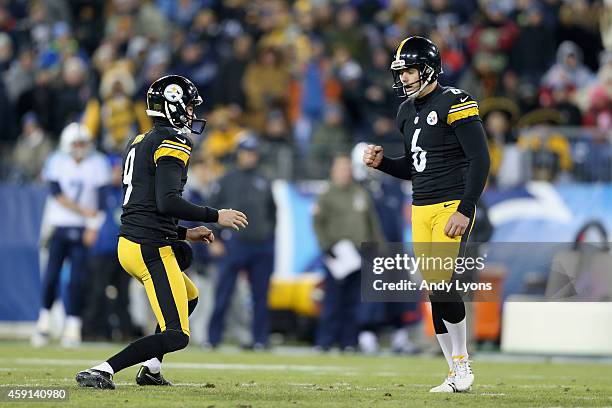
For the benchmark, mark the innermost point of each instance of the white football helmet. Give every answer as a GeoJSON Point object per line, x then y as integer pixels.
{"type": "Point", "coordinates": [76, 140]}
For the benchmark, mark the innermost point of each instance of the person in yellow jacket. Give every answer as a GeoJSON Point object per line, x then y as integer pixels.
{"type": "Point", "coordinates": [115, 116]}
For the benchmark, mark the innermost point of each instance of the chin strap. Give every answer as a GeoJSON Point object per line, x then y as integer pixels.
{"type": "Point", "coordinates": [416, 94]}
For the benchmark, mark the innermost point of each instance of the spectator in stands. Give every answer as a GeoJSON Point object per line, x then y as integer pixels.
{"type": "Point", "coordinates": [20, 78]}
{"type": "Point", "coordinates": [88, 23]}
{"type": "Point", "coordinates": [599, 113]}
{"type": "Point", "coordinates": [496, 118]}
{"type": "Point", "coordinates": [344, 212]}
{"type": "Point", "coordinates": [197, 60]}
{"type": "Point", "coordinates": [352, 81]}
{"type": "Point", "coordinates": [379, 97]}
{"type": "Point", "coordinates": [569, 70]}
{"type": "Point", "coordinates": [329, 138]}
{"type": "Point", "coordinates": [6, 52]}
{"type": "Point", "coordinates": [550, 152]}
{"type": "Point", "coordinates": [499, 115]}
{"type": "Point", "coordinates": [534, 48]}
{"type": "Point", "coordinates": [7, 117]}
{"type": "Point", "coordinates": [563, 98]}
{"type": "Point", "coordinates": [265, 84]}
{"type": "Point", "coordinates": [128, 18]}
{"type": "Point", "coordinates": [181, 12]}
{"type": "Point", "coordinates": [32, 148]}
{"type": "Point", "coordinates": [453, 58]}
{"type": "Point", "coordinates": [114, 116]}
{"type": "Point", "coordinates": [489, 43]}
{"type": "Point", "coordinates": [349, 34]}
{"type": "Point", "coordinates": [251, 251]}
{"type": "Point", "coordinates": [313, 87]}
{"type": "Point", "coordinates": [223, 134]}
{"type": "Point", "coordinates": [578, 22]}
{"type": "Point", "coordinates": [71, 97]}
{"type": "Point", "coordinates": [228, 88]}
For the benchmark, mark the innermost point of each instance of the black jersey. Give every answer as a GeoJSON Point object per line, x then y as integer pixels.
{"type": "Point", "coordinates": [439, 164]}
{"type": "Point", "coordinates": [141, 220]}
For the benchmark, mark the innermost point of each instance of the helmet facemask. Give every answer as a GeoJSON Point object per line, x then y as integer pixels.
{"type": "Point", "coordinates": [180, 118]}
{"type": "Point", "coordinates": [426, 77]}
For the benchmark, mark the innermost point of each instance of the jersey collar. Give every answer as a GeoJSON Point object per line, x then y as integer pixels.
{"type": "Point", "coordinates": [419, 102]}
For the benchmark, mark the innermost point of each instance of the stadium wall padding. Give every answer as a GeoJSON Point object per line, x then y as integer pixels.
{"type": "Point", "coordinates": [21, 210]}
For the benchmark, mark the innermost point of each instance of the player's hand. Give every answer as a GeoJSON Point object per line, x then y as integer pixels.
{"type": "Point", "coordinates": [373, 155]}
{"type": "Point", "coordinates": [90, 236]}
{"type": "Point", "coordinates": [232, 219]}
{"type": "Point", "coordinates": [200, 234]}
{"type": "Point", "coordinates": [86, 212]}
{"type": "Point", "coordinates": [217, 249]}
{"type": "Point", "coordinates": [457, 225]}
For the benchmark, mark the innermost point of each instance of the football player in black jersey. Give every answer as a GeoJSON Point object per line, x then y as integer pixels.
{"type": "Point", "coordinates": [151, 244]}
{"type": "Point", "coordinates": [447, 159]}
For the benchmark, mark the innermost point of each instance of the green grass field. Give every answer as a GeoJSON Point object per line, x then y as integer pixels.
{"type": "Point", "coordinates": [242, 379]}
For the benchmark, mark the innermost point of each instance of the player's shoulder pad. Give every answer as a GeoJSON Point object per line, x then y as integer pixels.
{"type": "Point", "coordinates": [173, 144]}
{"type": "Point", "coordinates": [461, 105]}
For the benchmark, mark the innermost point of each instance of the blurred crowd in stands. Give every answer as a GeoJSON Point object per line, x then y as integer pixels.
{"type": "Point", "coordinates": [310, 78]}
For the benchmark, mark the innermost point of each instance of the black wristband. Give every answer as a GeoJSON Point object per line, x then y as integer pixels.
{"type": "Point", "coordinates": [182, 233]}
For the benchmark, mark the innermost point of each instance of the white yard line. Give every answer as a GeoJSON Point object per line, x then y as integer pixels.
{"type": "Point", "coordinates": [195, 366]}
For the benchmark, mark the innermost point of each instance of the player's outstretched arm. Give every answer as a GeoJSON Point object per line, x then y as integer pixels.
{"type": "Point", "coordinates": [168, 198]}
{"type": "Point", "coordinates": [399, 167]}
{"type": "Point", "coordinates": [473, 141]}
{"type": "Point", "coordinates": [472, 138]}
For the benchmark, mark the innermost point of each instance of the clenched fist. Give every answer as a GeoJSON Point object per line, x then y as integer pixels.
{"type": "Point", "coordinates": [373, 155]}
{"type": "Point", "coordinates": [457, 225]}
{"type": "Point", "coordinates": [200, 234]}
{"type": "Point", "coordinates": [233, 219]}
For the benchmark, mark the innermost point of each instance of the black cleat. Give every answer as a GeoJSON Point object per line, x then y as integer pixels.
{"type": "Point", "coordinates": [95, 379]}
{"type": "Point", "coordinates": [146, 377]}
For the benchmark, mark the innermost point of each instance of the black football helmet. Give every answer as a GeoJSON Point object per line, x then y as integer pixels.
{"type": "Point", "coordinates": [417, 52]}
{"type": "Point", "coordinates": [168, 98]}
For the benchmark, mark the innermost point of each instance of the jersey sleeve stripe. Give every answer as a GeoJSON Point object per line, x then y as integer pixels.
{"type": "Point", "coordinates": [175, 147]}
{"type": "Point", "coordinates": [177, 144]}
{"type": "Point", "coordinates": [459, 105]}
{"type": "Point", "coordinates": [462, 114]}
{"type": "Point", "coordinates": [472, 105]}
{"type": "Point", "coordinates": [171, 152]}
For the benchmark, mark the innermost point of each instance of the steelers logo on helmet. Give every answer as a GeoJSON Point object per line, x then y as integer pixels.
{"type": "Point", "coordinates": [173, 93]}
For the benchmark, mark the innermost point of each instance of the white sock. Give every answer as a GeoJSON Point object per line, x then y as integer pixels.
{"type": "Point", "coordinates": [447, 348]}
{"type": "Point", "coordinates": [154, 365]}
{"type": "Point", "coordinates": [72, 328]}
{"type": "Point", "coordinates": [457, 333]}
{"type": "Point", "coordinates": [44, 321]}
{"type": "Point", "coordinates": [104, 367]}
{"type": "Point", "coordinates": [73, 324]}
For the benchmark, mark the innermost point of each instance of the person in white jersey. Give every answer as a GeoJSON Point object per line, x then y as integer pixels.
{"type": "Point", "coordinates": [75, 173]}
